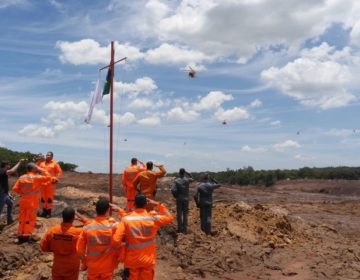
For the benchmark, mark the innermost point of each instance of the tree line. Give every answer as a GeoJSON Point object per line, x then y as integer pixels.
{"type": "Point", "coordinates": [249, 176]}
{"type": "Point", "coordinates": [13, 157]}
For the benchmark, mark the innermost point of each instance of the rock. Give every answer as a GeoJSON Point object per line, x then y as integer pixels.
{"type": "Point", "coordinates": [287, 240]}
{"type": "Point", "coordinates": [179, 269]}
{"type": "Point", "coordinates": [271, 244]}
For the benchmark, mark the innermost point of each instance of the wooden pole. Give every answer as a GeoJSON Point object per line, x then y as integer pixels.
{"type": "Point", "coordinates": [111, 123]}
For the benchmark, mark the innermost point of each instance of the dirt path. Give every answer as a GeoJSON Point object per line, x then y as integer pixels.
{"type": "Point", "coordinates": [295, 230]}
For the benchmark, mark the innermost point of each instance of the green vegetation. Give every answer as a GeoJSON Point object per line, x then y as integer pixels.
{"type": "Point", "coordinates": [249, 176]}
{"type": "Point", "coordinates": [13, 157]}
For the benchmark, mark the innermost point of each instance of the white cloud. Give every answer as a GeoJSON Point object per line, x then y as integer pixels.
{"type": "Point", "coordinates": [303, 158]}
{"type": "Point", "coordinates": [35, 130]}
{"type": "Point", "coordinates": [144, 85]}
{"type": "Point", "coordinates": [221, 27]}
{"type": "Point", "coordinates": [178, 113]}
{"type": "Point", "coordinates": [7, 3]}
{"type": "Point", "coordinates": [124, 119]}
{"type": "Point", "coordinates": [256, 103]}
{"type": "Point", "coordinates": [340, 132]}
{"type": "Point", "coordinates": [288, 144]}
{"type": "Point", "coordinates": [141, 103]}
{"type": "Point", "coordinates": [233, 114]}
{"type": "Point", "coordinates": [275, 123]}
{"type": "Point", "coordinates": [249, 149]}
{"type": "Point", "coordinates": [171, 54]}
{"type": "Point", "coordinates": [317, 79]}
{"type": "Point", "coordinates": [89, 51]}
{"type": "Point", "coordinates": [212, 101]}
{"type": "Point", "coordinates": [149, 121]}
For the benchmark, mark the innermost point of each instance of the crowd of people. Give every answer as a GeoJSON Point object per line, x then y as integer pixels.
{"type": "Point", "coordinates": [101, 244]}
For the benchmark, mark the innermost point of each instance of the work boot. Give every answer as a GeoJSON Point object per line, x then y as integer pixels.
{"type": "Point", "coordinates": [48, 213]}
{"type": "Point", "coordinates": [43, 214]}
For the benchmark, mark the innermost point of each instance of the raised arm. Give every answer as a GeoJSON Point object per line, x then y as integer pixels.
{"type": "Point", "coordinates": [13, 170]}
{"type": "Point", "coordinates": [161, 172]}
{"type": "Point", "coordinates": [164, 216]}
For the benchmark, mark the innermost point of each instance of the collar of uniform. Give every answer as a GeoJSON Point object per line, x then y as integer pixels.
{"type": "Point", "coordinates": [140, 211]}
{"type": "Point", "coordinates": [100, 218]}
{"type": "Point", "coordinates": [66, 225]}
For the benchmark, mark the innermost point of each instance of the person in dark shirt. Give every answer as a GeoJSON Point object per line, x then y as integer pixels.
{"type": "Point", "coordinates": [204, 201]}
{"type": "Point", "coordinates": [5, 197]}
{"type": "Point", "coordinates": [180, 190]}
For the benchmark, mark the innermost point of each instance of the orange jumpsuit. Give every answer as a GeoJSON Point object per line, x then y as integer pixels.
{"type": "Point", "coordinates": [48, 190]}
{"type": "Point", "coordinates": [139, 229]}
{"type": "Point", "coordinates": [128, 177]}
{"type": "Point", "coordinates": [61, 240]}
{"type": "Point", "coordinates": [28, 186]}
{"type": "Point", "coordinates": [96, 249]}
{"type": "Point", "coordinates": [147, 181]}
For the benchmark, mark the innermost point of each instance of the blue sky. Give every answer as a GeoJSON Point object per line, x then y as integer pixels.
{"type": "Point", "coordinates": [285, 81]}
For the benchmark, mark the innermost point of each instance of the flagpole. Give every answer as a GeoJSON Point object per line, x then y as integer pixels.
{"type": "Point", "coordinates": [111, 123]}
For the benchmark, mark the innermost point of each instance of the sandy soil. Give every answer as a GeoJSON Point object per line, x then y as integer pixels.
{"type": "Point", "coordinates": [304, 229]}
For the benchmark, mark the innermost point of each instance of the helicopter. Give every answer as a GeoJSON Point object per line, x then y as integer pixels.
{"type": "Point", "coordinates": [224, 122]}
{"type": "Point", "coordinates": [191, 73]}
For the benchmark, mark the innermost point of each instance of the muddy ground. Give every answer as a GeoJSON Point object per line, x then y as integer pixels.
{"type": "Point", "coordinates": [304, 229]}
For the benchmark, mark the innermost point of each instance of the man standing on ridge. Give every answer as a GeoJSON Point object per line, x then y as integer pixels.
{"type": "Point", "coordinates": [180, 190]}
{"type": "Point", "coordinates": [61, 241]}
{"type": "Point", "coordinates": [128, 177]}
{"type": "Point", "coordinates": [28, 186]}
{"type": "Point", "coordinates": [48, 190]}
{"type": "Point", "coordinates": [5, 197]}
{"type": "Point", "coordinates": [139, 229]}
{"type": "Point", "coordinates": [95, 245]}
{"type": "Point", "coordinates": [145, 182]}
{"type": "Point", "coordinates": [204, 201]}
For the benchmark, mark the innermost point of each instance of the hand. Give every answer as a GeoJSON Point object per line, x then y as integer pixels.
{"type": "Point", "coordinates": [114, 207]}
{"type": "Point", "coordinates": [152, 201]}
{"type": "Point", "coordinates": [79, 216]}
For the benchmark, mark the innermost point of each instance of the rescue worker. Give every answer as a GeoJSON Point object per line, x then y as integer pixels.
{"type": "Point", "coordinates": [145, 182]}
{"type": "Point", "coordinates": [95, 245]}
{"type": "Point", "coordinates": [180, 190]}
{"type": "Point", "coordinates": [128, 177]}
{"type": "Point", "coordinates": [61, 240]}
{"type": "Point", "coordinates": [48, 190]}
{"type": "Point", "coordinates": [204, 201]}
{"type": "Point", "coordinates": [40, 158]}
{"type": "Point", "coordinates": [139, 229]}
{"type": "Point", "coordinates": [28, 186]}
{"type": "Point", "coordinates": [5, 197]}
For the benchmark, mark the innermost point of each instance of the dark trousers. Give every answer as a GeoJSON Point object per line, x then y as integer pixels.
{"type": "Point", "coordinates": [5, 199]}
{"type": "Point", "coordinates": [182, 209]}
{"type": "Point", "coordinates": [205, 219]}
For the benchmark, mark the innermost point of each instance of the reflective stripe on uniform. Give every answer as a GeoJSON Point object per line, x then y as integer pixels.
{"type": "Point", "coordinates": [98, 253]}
{"type": "Point", "coordinates": [139, 218]}
{"type": "Point", "coordinates": [99, 227]}
{"type": "Point", "coordinates": [29, 193]}
{"type": "Point", "coordinates": [141, 245]}
{"type": "Point", "coordinates": [28, 177]}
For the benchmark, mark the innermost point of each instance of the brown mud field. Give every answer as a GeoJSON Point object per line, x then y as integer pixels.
{"type": "Point", "coordinates": [304, 229]}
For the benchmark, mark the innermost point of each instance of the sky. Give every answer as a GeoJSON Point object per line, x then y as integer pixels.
{"type": "Point", "coordinates": [283, 75]}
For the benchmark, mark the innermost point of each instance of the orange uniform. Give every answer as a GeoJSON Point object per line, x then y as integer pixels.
{"type": "Point", "coordinates": [139, 229]}
{"type": "Point", "coordinates": [28, 186]}
{"type": "Point", "coordinates": [147, 181]}
{"type": "Point", "coordinates": [61, 240]}
{"type": "Point", "coordinates": [48, 190]}
{"type": "Point", "coordinates": [128, 177]}
{"type": "Point", "coordinates": [96, 248]}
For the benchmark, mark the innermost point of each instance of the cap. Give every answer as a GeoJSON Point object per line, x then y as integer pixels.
{"type": "Point", "coordinates": [140, 200]}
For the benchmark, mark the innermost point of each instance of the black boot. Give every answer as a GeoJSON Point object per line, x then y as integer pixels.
{"type": "Point", "coordinates": [48, 213]}
{"type": "Point", "coordinates": [43, 214]}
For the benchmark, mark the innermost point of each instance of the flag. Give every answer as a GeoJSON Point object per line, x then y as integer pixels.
{"type": "Point", "coordinates": [106, 89]}
{"type": "Point", "coordinates": [95, 99]}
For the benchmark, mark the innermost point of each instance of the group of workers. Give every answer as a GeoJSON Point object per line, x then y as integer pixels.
{"type": "Point", "coordinates": [103, 243]}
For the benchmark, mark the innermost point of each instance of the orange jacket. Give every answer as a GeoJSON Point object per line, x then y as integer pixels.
{"type": "Point", "coordinates": [95, 246]}
{"type": "Point", "coordinates": [139, 229]}
{"type": "Point", "coordinates": [28, 186]}
{"type": "Point", "coordinates": [61, 240]}
{"type": "Point", "coordinates": [147, 181]}
{"type": "Point", "coordinates": [128, 177]}
{"type": "Point", "coordinates": [52, 167]}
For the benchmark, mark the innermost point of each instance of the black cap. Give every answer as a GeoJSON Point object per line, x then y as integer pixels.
{"type": "Point", "coordinates": [140, 200]}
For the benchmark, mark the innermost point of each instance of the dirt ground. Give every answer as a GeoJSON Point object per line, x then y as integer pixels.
{"type": "Point", "coordinates": [304, 229]}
